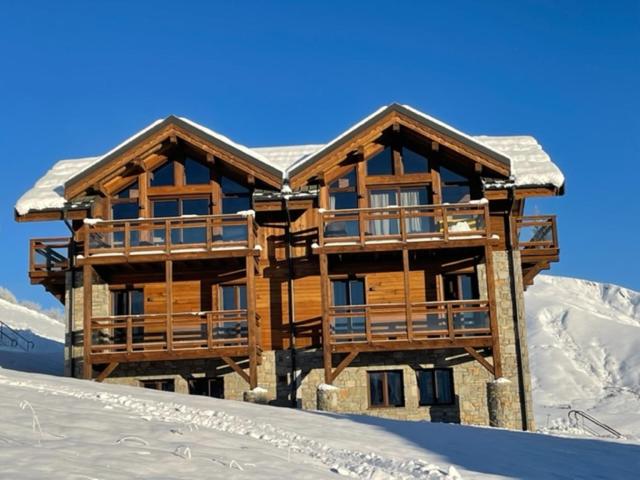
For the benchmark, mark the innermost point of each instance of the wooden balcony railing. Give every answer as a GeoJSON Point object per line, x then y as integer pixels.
{"type": "Point", "coordinates": [362, 226]}
{"type": "Point", "coordinates": [48, 255]}
{"type": "Point", "coordinates": [185, 234]}
{"type": "Point", "coordinates": [536, 233]}
{"type": "Point", "coordinates": [380, 323]}
{"type": "Point", "coordinates": [179, 332]}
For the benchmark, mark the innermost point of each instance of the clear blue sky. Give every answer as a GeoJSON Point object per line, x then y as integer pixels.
{"type": "Point", "coordinates": [77, 77]}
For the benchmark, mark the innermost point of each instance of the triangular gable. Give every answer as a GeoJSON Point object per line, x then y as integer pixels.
{"type": "Point", "coordinates": [202, 137]}
{"type": "Point", "coordinates": [430, 127]}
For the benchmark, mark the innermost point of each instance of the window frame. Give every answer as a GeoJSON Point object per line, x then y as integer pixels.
{"type": "Point", "coordinates": [153, 384]}
{"type": "Point", "coordinates": [434, 386]}
{"type": "Point", "coordinates": [475, 285]}
{"type": "Point", "coordinates": [385, 388]}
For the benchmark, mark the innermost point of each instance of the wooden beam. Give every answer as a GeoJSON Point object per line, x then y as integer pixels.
{"type": "Point", "coordinates": [483, 361]}
{"type": "Point", "coordinates": [87, 312]}
{"type": "Point", "coordinates": [236, 368]}
{"type": "Point", "coordinates": [251, 321]}
{"type": "Point", "coordinates": [346, 361]}
{"type": "Point", "coordinates": [168, 279]}
{"type": "Point", "coordinates": [493, 319]}
{"type": "Point", "coordinates": [407, 293]}
{"type": "Point", "coordinates": [108, 370]}
{"type": "Point", "coordinates": [326, 327]}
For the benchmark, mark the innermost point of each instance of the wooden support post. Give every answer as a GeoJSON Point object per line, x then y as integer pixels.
{"type": "Point", "coordinates": [236, 368]}
{"type": "Point", "coordinates": [87, 313]}
{"type": "Point", "coordinates": [326, 327]}
{"type": "Point", "coordinates": [251, 321]}
{"type": "Point", "coordinates": [168, 278]}
{"type": "Point", "coordinates": [483, 361]}
{"type": "Point", "coordinates": [407, 293]}
{"type": "Point", "coordinates": [346, 361]}
{"type": "Point", "coordinates": [108, 370]}
{"type": "Point", "coordinates": [491, 296]}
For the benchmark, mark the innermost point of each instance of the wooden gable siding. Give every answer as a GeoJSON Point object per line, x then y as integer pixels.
{"type": "Point", "coordinates": [118, 166]}
{"type": "Point", "coordinates": [365, 141]}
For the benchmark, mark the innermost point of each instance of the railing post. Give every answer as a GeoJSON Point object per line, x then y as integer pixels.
{"type": "Point", "coordinates": [367, 325]}
{"type": "Point", "coordinates": [209, 330]}
{"type": "Point", "coordinates": [129, 335]}
{"type": "Point", "coordinates": [127, 238]}
{"type": "Point", "coordinates": [361, 227]}
{"type": "Point", "coordinates": [445, 224]}
{"type": "Point", "coordinates": [554, 230]}
{"type": "Point", "coordinates": [403, 226]}
{"type": "Point", "coordinates": [208, 229]}
{"type": "Point", "coordinates": [251, 240]}
{"type": "Point", "coordinates": [86, 240]}
{"type": "Point", "coordinates": [487, 221]}
{"type": "Point", "coordinates": [167, 236]}
{"type": "Point", "coordinates": [321, 229]}
{"type": "Point", "coordinates": [450, 325]}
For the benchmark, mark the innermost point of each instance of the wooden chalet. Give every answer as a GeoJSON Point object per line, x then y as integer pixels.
{"type": "Point", "coordinates": [389, 263]}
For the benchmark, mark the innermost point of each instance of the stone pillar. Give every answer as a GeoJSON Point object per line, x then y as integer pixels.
{"type": "Point", "coordinates": [327, 397]}
{"type": "Point", "coordinates": [499, 403]}
{"type": "Point", "coordinates": [257, 395]}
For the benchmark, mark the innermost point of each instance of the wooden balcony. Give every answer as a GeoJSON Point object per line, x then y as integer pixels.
{"type": "Point", "coordinates": [399, 326]}
{"type": "Point", "coordinates": [537, 240]}
{"type": "Point", "coordinates": [176, 238]}
{"type": "Point", "coordinates": [390, 228]}
{"type": "Point", "coordinates": [126, 338]}
{"type": "Point", "coordinates": [48, 262]}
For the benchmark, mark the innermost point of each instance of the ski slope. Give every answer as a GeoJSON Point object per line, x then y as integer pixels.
{"type": "Point", "coordinates": [584, 350]}
{"type": "Point", "coordinates": [46, 334]}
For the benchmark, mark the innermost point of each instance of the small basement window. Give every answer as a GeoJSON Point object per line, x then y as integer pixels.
{"type": "Point", "coordinates": [386, 389]}
{"type": "Point", "coordinates": [436, 386]}
{"type": "Point", "coordinates": [165, 384]}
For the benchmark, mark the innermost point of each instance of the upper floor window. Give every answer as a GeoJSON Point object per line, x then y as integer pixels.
{"type": "Point", "coordinates": [124, 205]}
{"type": "Point", "coordinates": [413, 162]}
{"type": "Point", "coordinates": [132, 191]}
{"type": "Point", "coordinates": [235, 197]}
{"type": "Point", "coordinates": [343, 192]}
{"type": "Point", "coordinates": [455, 187]}
{"type": "Point", "coordinates": [409, 161]}
{"type": "Point", "coordinates": [381, 163]}
{"type": "Point", "coordinates": [163, 176]}
{"type": "Point", "coordinates": [196, 173]}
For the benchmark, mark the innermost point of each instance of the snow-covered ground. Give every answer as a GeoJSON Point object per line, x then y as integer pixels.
{"type": "Point", "coordinates": [584, 349]}
{"type": "Point", "coordinates": [55, 427]}
{"type": "Point", "coordinates": [584, 342]}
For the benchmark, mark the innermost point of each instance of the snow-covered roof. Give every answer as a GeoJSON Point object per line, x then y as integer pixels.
{"type": "Point", "coordinates": [48, 192]}
{"type": "Point", "coordinates": [529, 163]}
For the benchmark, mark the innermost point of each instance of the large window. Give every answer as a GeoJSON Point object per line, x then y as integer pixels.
{"type": "Point", "coordinates": [381, 163]}
{"type": "Point", "coordinates": [163, 176]}
{"type": "Point", "coordinates": [195, 172]}
{"type": "Point", "coordinates": [386, 389]}
{"type": "Point", "coordinates": [436, 386]}
{"type": "Point", "coordinates": [343, 194]}
{"type": "Point", "coordinates": [176, 207]}
{"type": "Point", "coordinates": [348, 292]}
{"type": "Point", "coordinates": [404, 197]}
{"type": "Point", "coordinates": [410, 162]}
{"type": "Point", "coordinates": [124, 206]}
{"type": "Point", "coordinates": [455, 187]}
{"type": "Point", "coordinates": [235, 197]}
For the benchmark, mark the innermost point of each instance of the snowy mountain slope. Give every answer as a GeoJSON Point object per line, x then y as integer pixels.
{"type": "Point", "coordinates": [584, 349]}
{"type": "Point", "coordinates": [46, 333]}
{"type": "Point", "coordinates": [66, 428]}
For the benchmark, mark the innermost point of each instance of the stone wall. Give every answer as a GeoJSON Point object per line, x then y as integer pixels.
{"type": "Point", "coordinates": [274, 374]}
